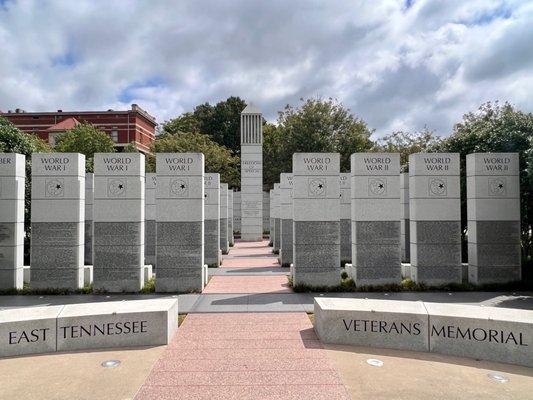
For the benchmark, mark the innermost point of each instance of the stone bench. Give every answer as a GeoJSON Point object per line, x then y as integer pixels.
{"type": "Point", "coordinates": [488, 333]}
{"type": "Point", "coordinates": [70, 327]}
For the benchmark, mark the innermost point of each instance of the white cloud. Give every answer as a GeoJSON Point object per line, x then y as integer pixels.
{"type": "Point", "coordinates": [395, 66]}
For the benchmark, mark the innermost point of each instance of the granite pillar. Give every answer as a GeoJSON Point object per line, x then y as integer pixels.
{"type": "Point", "coordinates": [251, 174]}
{"type": "Point", "coordinates": [12, 189]}
{"type": "Point", "coordinates": [119, 189]}
{"type": "Point", "coordinates": [316, 227]}
{"type": "Point", "coordinates": [266, 212]}
{"type": "Point", "coordinates": [285, 217]}
{"type": "Point", "coordinates": [224, 242]}
{"type": "Point", "coordinates": [149, 218]}
{"type": "Point", "coordinates": [212, 219]}
{"type": "Point", "coordinates": [57, 220]}
{"type": "Point", "coordinates": [345, 218]}
{"type": "Point", "coordinates": [376, 258]}
{"type": "Point", "coordinates": [277, 223]}
{"type": "Point", "coordinates": [493, 209]}
{"type": "Point", "coordinates": [271, 216]}
{"type": "Point", "coordinates": [89, 195]}
{"type": "Point", "coordinates": [404, 216]}
{"type": "Point", "coordinates": [179, 222]}
{"type": "Point", "coordinates": [237, 212]}
{"type": "Point", "coordinates": [231, 238]}
{"type": "Point", "coordinates": [435, 218]}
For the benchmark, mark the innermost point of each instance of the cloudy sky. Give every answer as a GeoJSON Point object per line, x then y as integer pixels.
{"type": "Point", "coordinates": [400, 64]}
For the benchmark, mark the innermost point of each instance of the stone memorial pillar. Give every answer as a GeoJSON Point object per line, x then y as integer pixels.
{"type": "Point", "coordinates": [376, 258]}
{"type": "Point", "coordinates": [435, 218]}
{"type": "Point", "coordinates": [149, 218]}
{"type": "Point", "coordinates": [277, 222]}
{"type": "Point", "coordinates": [493, 208]}
{"type": "Point", "coordinates": [12, 188]}
{"type": "Point", "coordinates": [180, 222]}
{"type": "Point", "coordinates": [271, 216]}
{"type": "Point", "coordinates": [57, 220]}
{"type": "Point", "coordinates": [237, 212]}
{"type": "Point", "coordinates": [251, 173]}
{"type": "Point", "coordinates": [266, 211]}
{"type": "Point", "coordinates": [224, 242]}
{"type": "Point", "coordinates": [404, 216]}
{"type": "Point", "coordinates": [345, 218]}
{"type": "Point", "coordinates": [119, 182]}
{"type": "Point", "coordinates": [89, 195]}
{"type": "Point", "coordinates": [231, 238]}
{"type": "Point", "coordinates": [212, 219]}
{"type": "Point", "coordinates": [285, 214]}
{"type": "Point", "coordinates": [316, 227]}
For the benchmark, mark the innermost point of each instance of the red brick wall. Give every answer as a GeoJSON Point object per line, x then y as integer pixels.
{"type": "Point", "coordinates": [131, 125]}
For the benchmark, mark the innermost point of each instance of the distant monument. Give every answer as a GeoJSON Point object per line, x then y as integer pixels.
{"type": "Point", "coordinates": [251, 173]}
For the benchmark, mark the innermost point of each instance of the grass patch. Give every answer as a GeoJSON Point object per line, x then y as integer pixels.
{"type": "Point", "coordinates": [149, 286]}
{"type": "Point", "coordinates": [27, 291]}
{"type": "Point", "coordinates": [181, 318]}
{"type": "Point", "coordinates": [312, 318]}
{"type": "Point", "coordinates": [407, 285]}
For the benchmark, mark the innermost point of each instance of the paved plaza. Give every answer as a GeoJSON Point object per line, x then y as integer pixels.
{"type": "Point", "coordinates": [250, 337]}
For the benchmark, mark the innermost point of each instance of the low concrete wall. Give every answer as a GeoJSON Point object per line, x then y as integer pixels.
{"type": "Point", "coordinates": [87, 326]}
{"type": "Point", "coordinates": [488, 333]}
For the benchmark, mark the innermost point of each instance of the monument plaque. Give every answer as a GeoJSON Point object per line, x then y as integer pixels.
{"type": "Point", "coordinates": [346, 219]}
{"type": "Point", "coordinates": [271, 216]}
{"type": "Point", "coordinates": [316, 244]}
{"type": "Point", "coordinates": [224, 242]}
{"type": "Point", "coordinates": [12, 189]}
{"type": "Point", "coordinates": [375, 218]}
{"type": "Point", "coordinates": [493, 208]}
{"type": "Point", "coordinates": [212, 219]}
{"type": "Point", "coordinates": [435, 218]}
{"type": "Point", "coordinates": [119, 206]}
{"type": "Point", "coordinates": [277, 221]}
{"type": "Point", "coordinates": [58, 220]}
{"type": "Point", "coordinates": [89, 196]}
{"type": "Point", "coordinates": [231, 237]}
{"type": "Point", "coordinates": [237, 212]}
{"type": "Point", "coordinates": [285, 214]}
{"type": "Point", "coordinates": [251, 173]}
{"type": "Point", "coordinates": [149, 215]}
{"type": "Point", "coordinates": [404, 216]}
{"type": "Point", "coordinates": [179, 222]}
{"type": "Point", "coordinates": [266, 211]}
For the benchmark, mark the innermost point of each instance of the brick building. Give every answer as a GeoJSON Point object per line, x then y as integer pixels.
{"type": "Point", "coordinates": [131, 126]}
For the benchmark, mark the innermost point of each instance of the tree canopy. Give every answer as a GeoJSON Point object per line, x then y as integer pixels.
{"type": "Point", "coordinates": [220, 122]}
{"type": "Point", "coordinates": [85, 139]}
{"type": "Point", "coordinates": [407, 143]}
{"type": "Point", "coordinates": [13, 140]}
{"type": "Point", "coordinates": [217, 158]}
{"type": "Point", "coordinates": [497, 128]}
{"type": "Point", "coordinates": [315, 126]}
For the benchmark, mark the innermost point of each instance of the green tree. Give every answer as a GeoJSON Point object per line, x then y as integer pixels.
{"type": "Point", "coordinates": [317, 125]}
{"type": "Point", "coordinates": [13, 140]}
{"type": "Point", "coordinates": [185, 123]}
{"type": "Point", "coordinates": [497, 128]}
{"type": "Point", "coordinates": [407, 143]}
{"type": "Point", "coordinates": [85, 139]}
{"type": "Point", "coordinates": [220, 122]}
{"type": "Point", "coordinates": [217, 158]}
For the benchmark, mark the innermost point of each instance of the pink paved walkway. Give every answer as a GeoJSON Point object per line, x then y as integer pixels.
{"type": "Point", "coordinates": [270, 356]}
{"type": "Point", "coordinates": [247, 284]}
{"type": "Point", "coordinates": [237, 258]}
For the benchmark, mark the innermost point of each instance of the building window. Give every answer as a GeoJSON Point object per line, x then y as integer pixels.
{"type": "Point", "coordinates": [114, 136]}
